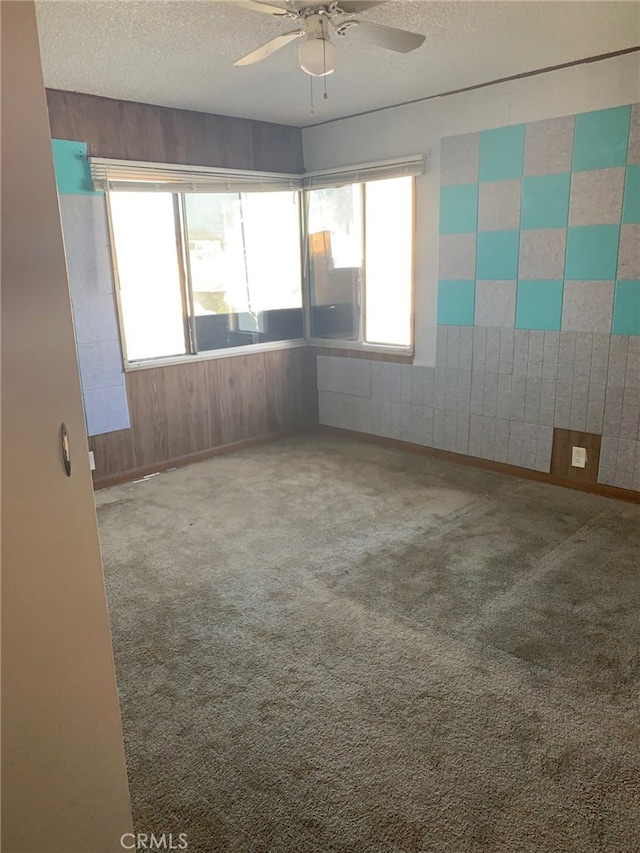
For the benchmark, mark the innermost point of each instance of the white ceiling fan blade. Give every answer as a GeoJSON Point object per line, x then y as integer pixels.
{"type": "Point", "coordinates": [270, 47]}
{"type": "Point", "coordinates": [352, 7]}
{"type": "Point", "coordinates": [392, 38]}
{"type": "Point", "coordinates": [258, 6]}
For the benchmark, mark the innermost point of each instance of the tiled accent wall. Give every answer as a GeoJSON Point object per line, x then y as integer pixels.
{"type": "Point", "coordinates": [84, 225]}
{"type": "Point", "coordinates": [497, 394]}
{"type": "Point", "coordinates": [540, 225]}
{"type": "Point", "coordinates": [538, 303]}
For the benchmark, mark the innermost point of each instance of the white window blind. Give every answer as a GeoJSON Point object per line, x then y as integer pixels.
{"type": "Point", "coordinates": [161, 177]}
{"type": "Point", "coordinates": [407, 166]}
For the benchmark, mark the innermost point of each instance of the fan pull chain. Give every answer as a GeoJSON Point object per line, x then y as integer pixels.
{"type": "Point", "coordinates": [324, 64]}
{"type": "Point", "coordinates": [312, 112]}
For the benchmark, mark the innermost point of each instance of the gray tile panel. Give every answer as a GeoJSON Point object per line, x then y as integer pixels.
{"type": "Point", "coordinates": [634, 135]}
{"type": "Point", "coordinates": [459, 159]}
{"type": "Point", "coordinates": [466, 347]}
{"type": "Point", "coordinates": [495, 303]}
{"type": "Point", "coordinates": [501, 447]}
{"type": "Point", "coordinates": [548, 146]}
{"type": "Point", "coordinates": [505, 417]}
{"type": "Point", "coordinates": [579, 404]}
{"type": "Point", "coordinates": [488, 438]}
{"type": "Point", "coordinates": [462, 433]}
{"type": "Point", "coordinates": [428, 378]}
{"type": "Point", "coordinates": [395, 382]}
{"type": "Point", "coordinates": [427, 426]}
{"type": "Point", "coordinates": [406, 383]}
{"type": "Point", "coordinates": [479, 348]}
{"type": "Point", "coordinates": [438, 428]}
{"type": "Point", "coordinates": [499, 205]}
{"type": "Point", "coordinates": [629, 253]}
{"type": "Point", "coordinates": [100, 365]}
{"type": "Point", "coordinates": [521, 345]}
{"type": "Point", "coordinates": [457, 256]}
{"type": "Point", "coordinates": [450, 430]}
{"type": "Point", "coordinates": [587, 306]}
{"type": "Point", "coordinates": [475, 435]}
{"type": "Point", "coordinates": [106, 410]}
{"type": "Point", "coordinates": [596, 197]}
{"type": "Point", "coordinates": [477, 392]}
{"type": "Point", "coordinates": [442, 340]}
{"type": "Point", "coordinates": [542, 253]}
{"type": "Point", "coordinates": [518, 396]}
{"type": "Point", "coordinates": [86, 236]}
{"type": "Point", "coordinates": [95, 318]}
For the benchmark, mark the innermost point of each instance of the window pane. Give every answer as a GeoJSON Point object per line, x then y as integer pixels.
{"type": "Point", "coordinates": [150, 291]}
{"type": "Point", "coordinates": [244, 257]}
{"type": "Point", "coordinates": [335, 261]}
{"type": "Point", "coordinates": [389, 262]}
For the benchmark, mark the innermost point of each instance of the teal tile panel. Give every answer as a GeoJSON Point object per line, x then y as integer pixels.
{"type": "Point", "coordinates": [545, 201]}
{"type": "Point", "coordinates": [601, 139]}
{"type": "Point", "coordinates": [72, 167]}
{"type": "Point", "coordinates": [592, 253]}
{"type": "Point", "coordinates": [498, 255]}
{"type": "Point", "coordinates": [456, 302]}
{"type": "Point", "coordinates": [502, 153]}
{"type": "Point", "coordinates": [459, 209]}
{"type": "Point", "coordinates": [626, 308]}
{"type": "Point", "coordinates": [631, 202]}
{"type": "Point", "coordinates": [539, 305]}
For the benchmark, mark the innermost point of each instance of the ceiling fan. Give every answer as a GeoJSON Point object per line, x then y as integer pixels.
{"type": "Point", "coordinates": [316, 22]}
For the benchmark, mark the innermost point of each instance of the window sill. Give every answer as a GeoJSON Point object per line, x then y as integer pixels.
{"type": "Point", "coordinates": [229, 352]}
{"type": "Point", "coordinates": [351, 349]}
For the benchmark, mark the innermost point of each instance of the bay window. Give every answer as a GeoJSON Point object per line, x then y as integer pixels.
{"type": "Point", "coordinates": [208, 260]}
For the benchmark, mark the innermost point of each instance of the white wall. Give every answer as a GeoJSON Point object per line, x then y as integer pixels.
{"type": "Point", "coordinates": [418, 128]}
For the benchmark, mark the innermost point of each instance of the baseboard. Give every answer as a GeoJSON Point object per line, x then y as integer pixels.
{"type": "Point", "coordinates": [488, 465]}
{"type": "Point", "coordinates": [190, 458]}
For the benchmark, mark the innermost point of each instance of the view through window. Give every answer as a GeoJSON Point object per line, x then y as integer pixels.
{"type": "Point", "coordinates": [203, 271]}
{"type": "Point", "coordinates": [361, 262]}
{"type": "Point", "coordinates": [237, 281]}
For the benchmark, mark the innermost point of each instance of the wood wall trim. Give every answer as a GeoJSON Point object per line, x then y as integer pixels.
{"type": "Point", "coordinates": [189, 459]}
{"type": "Point", "coordinates": [357, 353]}
{"type": "Point", "coordinates": [126, 130]}
{"type": "Point", "coordinates": [488, 465]}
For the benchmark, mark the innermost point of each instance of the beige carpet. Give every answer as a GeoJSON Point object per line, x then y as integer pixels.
{"type": "Point", "coordinates": [326, 646]}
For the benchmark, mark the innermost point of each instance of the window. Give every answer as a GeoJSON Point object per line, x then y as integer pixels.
{"type": "Point", "coordinates": [151, 298]}
{"type": "Point", "coordinates": [206, 271]}
{"type": "Point", "coordinates": [244, 260]}
{"type": "Point", "coordinates": [361, 262]}
{"type": "Point", "coordinates": [211, 259]}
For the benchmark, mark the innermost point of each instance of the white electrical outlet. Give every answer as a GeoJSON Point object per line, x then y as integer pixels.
{"type": "Point", "coordinates": [92, 461]}
{"type": "Point", "coordinates": [578, 457]}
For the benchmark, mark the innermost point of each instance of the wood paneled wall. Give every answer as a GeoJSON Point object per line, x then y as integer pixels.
{"type": "Point", "coordinates": [187, 409]}
{"type": "Point", "coordinates": [125, 130]}
{"type": "Point", "coordinates": [180, 411]}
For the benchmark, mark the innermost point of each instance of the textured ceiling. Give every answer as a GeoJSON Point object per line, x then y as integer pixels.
{"type": "Point", "coordinates": [181, 53]}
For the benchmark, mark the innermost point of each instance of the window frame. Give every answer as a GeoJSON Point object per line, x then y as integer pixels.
{"type": "Point", "coordinates": [186, 287]}
{"type": "Point", "coordinates": [362, 345]}
{"type": "Point", "coordinates": [191, 353]}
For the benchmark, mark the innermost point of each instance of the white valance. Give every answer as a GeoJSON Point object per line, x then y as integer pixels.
{"type": "Point", "coordinates": [380, 171]}
{"type": "Point", "coordinates": [137, 176]}
{"type": "Point", "coordinates": [161, 177]}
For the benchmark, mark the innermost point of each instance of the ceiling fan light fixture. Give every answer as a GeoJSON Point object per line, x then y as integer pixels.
{"type": "Point", "coordinates": [317, 56]}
